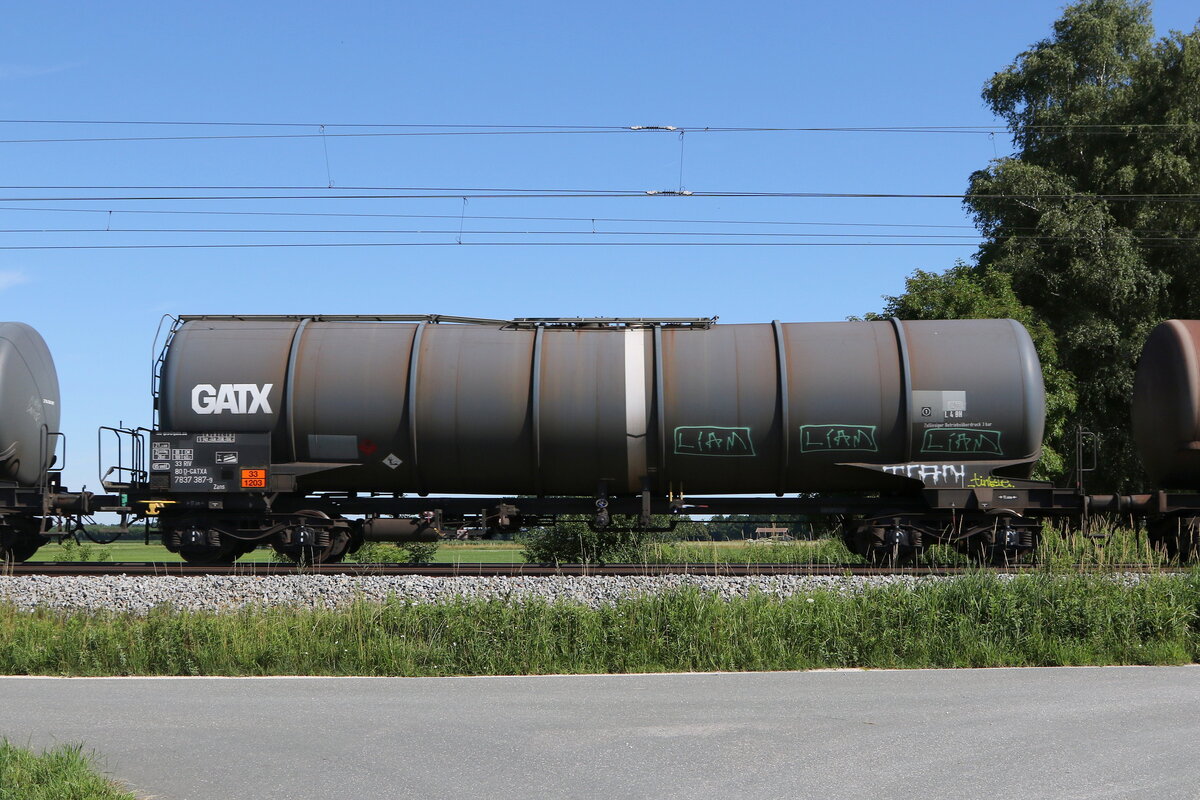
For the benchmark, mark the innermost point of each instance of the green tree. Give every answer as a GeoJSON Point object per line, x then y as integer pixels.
{"type": "Point", "coordinates": [1094, 217]}
{"type": "Point", "coordinates": [1090, 215]}
{"type": "Point", "coordinates": [571, 540]}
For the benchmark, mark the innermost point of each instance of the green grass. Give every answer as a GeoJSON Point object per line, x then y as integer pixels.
{"type": "Point", "coordinates": [981, 620]}
{"type": "Point", "coordinates": [124, 551]}
{"type": "Point", "coordinates": [817, 551]}
{"type": "Point", "coordinates": [1100, 543]}
{"type": "Point", "coordinates": [487, 552]}
{"type": "Point", "coordinates": [63, 773]}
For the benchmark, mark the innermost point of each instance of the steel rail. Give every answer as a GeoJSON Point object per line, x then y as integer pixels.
{"type": "Point", "coordinates": [261, 569]}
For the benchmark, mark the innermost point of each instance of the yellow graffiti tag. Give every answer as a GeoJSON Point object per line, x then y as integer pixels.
{"type": "Point", "coordinates": [155, 507]}
{"type": "Point", "coordinates": [988, 482]}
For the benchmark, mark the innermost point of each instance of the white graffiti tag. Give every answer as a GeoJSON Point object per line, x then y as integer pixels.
{"type": "Point", "coordinates": [931, 474]}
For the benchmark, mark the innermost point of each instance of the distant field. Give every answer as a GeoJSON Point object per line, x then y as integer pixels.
{"type": "Point", "coordinates": [121, 551]}
{"type": "Point", "coordinates": [479, 553]}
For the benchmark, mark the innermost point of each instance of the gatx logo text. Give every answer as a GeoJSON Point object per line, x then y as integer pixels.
{"type": "Point", "coordinates": [231, 398]}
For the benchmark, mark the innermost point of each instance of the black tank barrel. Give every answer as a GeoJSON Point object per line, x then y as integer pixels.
{"type": "Point", "coordinates": [30, 402]}
{"type": "Point", "coordinates": [576, 410]}
{"type": "Point", "coordinates": [1166, 404]}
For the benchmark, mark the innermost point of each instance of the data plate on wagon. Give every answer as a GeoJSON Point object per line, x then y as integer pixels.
{"type": "Point", "coordinates": [209, 462]}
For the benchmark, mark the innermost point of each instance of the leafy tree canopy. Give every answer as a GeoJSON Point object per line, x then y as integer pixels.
{"type": "Point", "coordinates": [1094, 218]}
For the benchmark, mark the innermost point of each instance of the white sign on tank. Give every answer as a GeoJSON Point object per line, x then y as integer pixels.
{"type": "Point", "coordinates": [234, 398]}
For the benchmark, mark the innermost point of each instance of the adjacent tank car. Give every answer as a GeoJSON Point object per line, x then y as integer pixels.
{"type": "Point", "coordinates": [1166, 431]}
{"type": "Point", "coordinates": [32, 500]}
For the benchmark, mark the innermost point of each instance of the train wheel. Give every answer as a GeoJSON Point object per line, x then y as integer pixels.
{"type": "Point", "coordinates": [205, 555]}
{"type": "Point", "coordinates": [859, 537]}
{"type": "Point", "coordinates": [1006, 541]}
{"type": "Point", "coordinates": [209, 557]}
{"type": "Point", "coordinates": [201, 545]}
{"type": "Point", "coordinates": [19, 540]}
{"type": "Point", "coordinates": [321, 541]}
{"type": "Point", "coordinates": [883, 542]}
{"type": "Point", "coordinates": [1185, 544]}
{"type": "Point", "coordinates": [1156, 534]}
{"type": "Point", "coordinates": [1177, 537]}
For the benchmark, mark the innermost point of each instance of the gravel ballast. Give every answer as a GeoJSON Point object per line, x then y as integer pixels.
{"type": "Point", "coordinates": [226, 593]}
{"type": "Point", "coordinates": [137, 594]}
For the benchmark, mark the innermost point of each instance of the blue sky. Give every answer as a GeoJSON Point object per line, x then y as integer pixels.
{"type": "Point", "coordinates": [692, 65]}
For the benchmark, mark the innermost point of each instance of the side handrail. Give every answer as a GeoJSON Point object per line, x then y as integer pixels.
{"type": "Point", "coordinates": [130, 443]}
{"type": "Point", "coordinates": [1087, 443]}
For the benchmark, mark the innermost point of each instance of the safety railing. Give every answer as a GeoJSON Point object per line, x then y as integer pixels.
{"type": "Point", "coordinates": [129, 468]}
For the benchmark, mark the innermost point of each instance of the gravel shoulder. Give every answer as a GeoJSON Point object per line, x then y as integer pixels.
{"type": "Point", "coordinates": [229, 593]}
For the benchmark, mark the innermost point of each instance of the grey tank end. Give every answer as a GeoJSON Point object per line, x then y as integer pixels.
{"type": "Point", "coordinates": [29, 398]}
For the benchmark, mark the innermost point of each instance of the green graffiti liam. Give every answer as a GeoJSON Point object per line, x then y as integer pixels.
{"type": "Point", "coordinates": [962, 440]}
{"type": "Point", "coordinates": [713, 440]}
{"type": "Point", "coordinates": [837, 438]}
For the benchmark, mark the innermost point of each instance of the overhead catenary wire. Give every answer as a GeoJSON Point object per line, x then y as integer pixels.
{"type": "Point", "coordinates": [613, 126]}
{"type": "Point", "coordinates": [532, 218]}
{"type": "Point", "coordinates": [473, 244]}
{"type": "Point", "coordinates": [481, 217]}
{"type": "Point", "coordinates": [322, 130]}
{"type": "Point", "coordinates": [473, 232]}
{"type": "Point", "coordinates": [431, 193]}
{"type": "Point", "coordinates": [298, 124]}
{"type": "Point", "coordinates": [239, 193]}
{"type": "Point", "coordinates": [317, 135]}
{"type": "Point", "coordinates": [468, 243]}
{"type": "Point", "coordinates": [458, 233]}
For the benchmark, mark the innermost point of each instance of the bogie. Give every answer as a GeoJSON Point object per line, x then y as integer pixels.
{"type": "Point", "coordinates": [1176, 536]}
{"type": "Point", "coordinates": [313, 537]}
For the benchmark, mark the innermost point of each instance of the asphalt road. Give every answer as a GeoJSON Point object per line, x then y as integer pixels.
{"type": "Point", "coordinates": [1064, 733]}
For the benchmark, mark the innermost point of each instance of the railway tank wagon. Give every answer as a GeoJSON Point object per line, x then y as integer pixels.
{"type": "Point", "coordinates": [281, 429]}
{"type": "Point", "coordinates": [30, 493]}
{"type": "Point", "coordinates": [1166, 431]}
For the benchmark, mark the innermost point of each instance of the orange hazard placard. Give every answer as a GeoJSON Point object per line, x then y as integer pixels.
{"type": "Point", "coordinates": [254, 479]}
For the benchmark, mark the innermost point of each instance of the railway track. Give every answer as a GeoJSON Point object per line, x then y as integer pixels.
{"type": "Point", "coordinates": [141, 569]}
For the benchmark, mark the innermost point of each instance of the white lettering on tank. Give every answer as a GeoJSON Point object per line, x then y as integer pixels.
{"type": "Point", "coordinates": [234, 398]}
{"type": "Point", "coordinates": [258, 398]}
{"type": "Point", "coordinates": [202, 398]}
{"type": "Point", "coordinates": [227, 400]}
